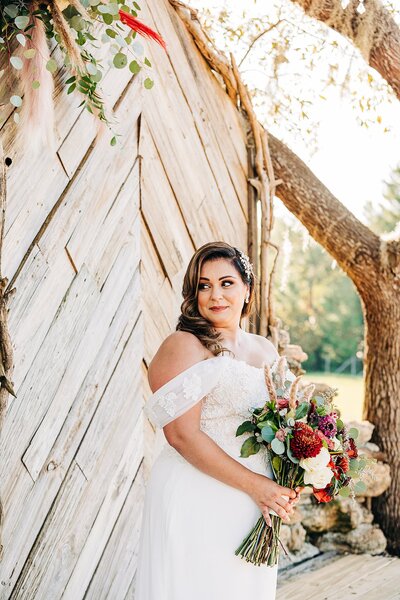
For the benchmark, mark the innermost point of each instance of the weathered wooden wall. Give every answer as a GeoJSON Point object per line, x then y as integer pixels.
{"type": "Point", "coordinates": [97, 240]}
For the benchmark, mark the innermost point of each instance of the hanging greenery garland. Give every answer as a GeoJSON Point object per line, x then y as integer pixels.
{"type": "Point", "coordinates": [27, 26]}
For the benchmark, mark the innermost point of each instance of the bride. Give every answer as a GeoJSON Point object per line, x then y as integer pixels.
{"type": "Point", "coordinates": [202, 498]}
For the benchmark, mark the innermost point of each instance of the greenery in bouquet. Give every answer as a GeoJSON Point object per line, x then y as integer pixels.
{"type": "Point", "coordinates": [308, 445]}
{"type": "Point", "coordinates": [79, 27]}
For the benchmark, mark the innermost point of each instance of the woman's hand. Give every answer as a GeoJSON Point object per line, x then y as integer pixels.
{"type": "Point", "coordinates": [267, 494]}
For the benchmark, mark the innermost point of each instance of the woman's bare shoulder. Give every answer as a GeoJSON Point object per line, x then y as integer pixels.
{"type": "Point", "coordinates": [265, 347]}
{"type": "Point", "coordinates": [179, 351]}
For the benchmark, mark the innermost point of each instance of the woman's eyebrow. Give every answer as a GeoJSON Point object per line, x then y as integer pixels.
{"type": "Point", "coordinates": [232, 276]}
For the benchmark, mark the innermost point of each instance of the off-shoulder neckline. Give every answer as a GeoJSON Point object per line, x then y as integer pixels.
{"type": "Point", "coordinates": [206, 360]}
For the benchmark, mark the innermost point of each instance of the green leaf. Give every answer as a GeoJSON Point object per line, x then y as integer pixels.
{"type": "Point", "coordinates": [249, 447]}
{"type": "Point", "coordinates": [51, 65]}
{"type": "Point", "coordinates": [16, 100]}
{"type": "Point", "coordinates": [11, 10]}
{"type": "Point", "coordinates": [276, 463]}
{"type": "Point", "coordinates": [148, 83]}
{"type": "Point", "coordinates": [108, 19]}
{"type": "Point", "coordinates": [30, 53]}
{"type": "Point", "coordinates": [22, 21]}
{"type": "Point", "coordinates": [21, 38]}
{"type": "Point", "coordinates": [339, 424]}
{"type": "Point", "coordinates": [277, 446]}
{"type": "Point", "coordinates": [113, 141]}
{"type": "Point", "coordinates": [147, 62]}
{"type": "Point", "coordinates": [120, 60]}
{"type": "Point", "coordinates": [16, 62]}
{"type": "Point", "coordinates": [134, 67]}
{"type": "Point", "coordinates": [245, 427]}
{"type": "Point", "coordinates": [35, 84]}
{"type": "Point", "coordinates": [301, 410]}
{"type": "Point", "coordinates": [111, 33]}
{"type": "Point", "coordinates": [136, 5]}
{"type": "Point", "coordinates": [70, 80]}
{"type": "Point", "coordinates": [353, 433]}
{"type": "Point", "coordinates": [71, 88]}
{"type": "Point", "coordinates": [345, 492]}
{"type": "Point", "coordinates": [267, 433]}
{"type": "Point", "coordinates": [360, 487]}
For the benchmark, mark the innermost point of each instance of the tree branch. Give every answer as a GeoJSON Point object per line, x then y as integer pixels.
{"type": "Point", "coordinates": [355, 247]}
{"type": "Point", "coordinates": [375, 33]}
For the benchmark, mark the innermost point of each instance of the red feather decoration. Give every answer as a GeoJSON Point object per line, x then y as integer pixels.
{"type": "Point", "coordinates": [141, 28]}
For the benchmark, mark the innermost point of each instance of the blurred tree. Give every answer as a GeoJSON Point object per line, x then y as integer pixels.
{"type": "Point", "coordinates": [385, 217]}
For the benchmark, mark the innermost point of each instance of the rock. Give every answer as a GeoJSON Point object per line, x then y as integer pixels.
{"type": "Point", "coordinates": [365, 539]}
{"type": "Point", "coordinates": [340, 515]}
{"type": "Point", "coordinates": [365, 430]}
{"type": "Point", "coordinates": [306, 552]}
{"type": "Point", "coordinates": [377, 479]}
{"type": "Point", "coordinates": [295, 352]}
{"type": "Point", "coordinates": [371, 450]}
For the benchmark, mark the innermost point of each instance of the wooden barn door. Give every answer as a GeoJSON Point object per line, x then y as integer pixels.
{"type": "Point", "coordinates": [72, 442]}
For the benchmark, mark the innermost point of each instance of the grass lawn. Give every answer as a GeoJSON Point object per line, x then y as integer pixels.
{"type": "Point", "coordinates": [350, 398]}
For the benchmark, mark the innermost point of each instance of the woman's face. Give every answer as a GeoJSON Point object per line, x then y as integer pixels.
{"type": "Point", "coordinates": [221, 293]}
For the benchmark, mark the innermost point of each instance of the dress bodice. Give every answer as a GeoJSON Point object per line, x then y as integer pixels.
{"type": "Point", "coordinates": [228, 388]}
{"type": "Point", "coordinates": [226, 406]}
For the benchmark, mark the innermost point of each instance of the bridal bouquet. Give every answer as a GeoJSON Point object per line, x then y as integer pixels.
{"type": "Point", "coordinates": [308, 444]}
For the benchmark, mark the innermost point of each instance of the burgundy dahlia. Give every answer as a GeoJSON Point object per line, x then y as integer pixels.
{"type": "Point", "coordinates": [305, 442]}
{"type": "Point", "coordinates": [327, 425]}
{"type": "Point", "coordinates": [353, 451]}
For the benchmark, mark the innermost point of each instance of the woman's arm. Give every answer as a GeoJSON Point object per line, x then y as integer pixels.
{"type": "Point", "coordinates": [177, 353]}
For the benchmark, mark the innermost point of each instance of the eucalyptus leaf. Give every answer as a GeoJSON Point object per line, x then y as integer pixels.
{"type": "Point", "coordinates": [360, 487]}
{"type": "Point", "coordinates": [267, 434]}
{"type": "Point", "coordinates": [277, 446]}
{"type": "Point", "coordinates": [16, 100]}
{"type": "Point", "coordinates": [21, 39]}
{"type": "Point", "coordinates": [21, 21]}
{"type": "Point", "coordinates": [11, 10]}
{"type": "Point", "coordinates": [120, 60]}
{"type": "Point", "coordinates": [290, 454]}
{"type": "Point", "coordinates": [16, 117]}
{"type": "Point", "coordinates": [35, 84]}
{"type": "Point", "coordinates": [353, 433]}
{"type": "Point", "coordinates": [30, 53]}
{"type": "Point", "coordinates": [345, 492]}
{"type": "Point", "coordinates": [16, 62]}
{"type": "Point", "coordinates": [134, 67]}
{"type": "Point", "coordinates": [339, 424]}
{"type": "Point", "coordinates": [51, 65]}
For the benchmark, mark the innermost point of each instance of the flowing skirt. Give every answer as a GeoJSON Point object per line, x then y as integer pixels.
{"type": "Point", "coordinates": [192, 525]}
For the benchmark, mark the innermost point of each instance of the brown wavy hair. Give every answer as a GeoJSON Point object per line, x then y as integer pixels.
{"type": "Point", "coordinates": [190, 319]}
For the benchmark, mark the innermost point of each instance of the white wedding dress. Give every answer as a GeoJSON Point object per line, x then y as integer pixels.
{"type": "Point", "coordinates": [193, 523]}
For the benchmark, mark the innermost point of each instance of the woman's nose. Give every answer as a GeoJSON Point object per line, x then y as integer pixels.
{"type": "Point", "coordinates": [216, 292]}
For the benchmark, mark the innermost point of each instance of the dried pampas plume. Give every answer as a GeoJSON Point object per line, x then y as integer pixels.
{"type": "Point", "coordinates": [37, 113]}
{"type": "Point", "coordinates": [308, 392]}
{"type": "Point", "coordinates": [293, 392]}
{"type": "Point", "coordinates": [269, 384]}
{"type": "Point", "coordinates": [64, 31]}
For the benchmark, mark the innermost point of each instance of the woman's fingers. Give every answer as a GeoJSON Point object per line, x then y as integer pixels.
{"type": "Point", "coordinates": [280, 511]}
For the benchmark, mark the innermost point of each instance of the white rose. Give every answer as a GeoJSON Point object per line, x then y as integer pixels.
{"type": "Point", "coordinates": [316, 462]}
{"type": "Point", "coordinates": [318, 478]}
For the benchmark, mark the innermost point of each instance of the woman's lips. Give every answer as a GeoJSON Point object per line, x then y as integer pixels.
{"type": "Point", "coordinates": [218, 308]}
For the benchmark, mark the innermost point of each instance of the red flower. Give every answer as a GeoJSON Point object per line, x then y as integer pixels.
{"type": "Point", "coordinates": [323, 495]}
{"type": "Point", "coordinates": [352, 452]}
{"type": "Point", "coordinates": [334, 468]}
{"type": "Point", "coordinates": [305, 443]}
{"type": "Point", "coordinates": [343, 463]}
{"type": "Point", "coordinates": [282, 403]}
{"type": "Point", "coordinates": [141, 28]}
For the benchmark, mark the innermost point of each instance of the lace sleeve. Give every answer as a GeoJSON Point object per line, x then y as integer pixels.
{"type": "Point", "coordinates": [182, 392]}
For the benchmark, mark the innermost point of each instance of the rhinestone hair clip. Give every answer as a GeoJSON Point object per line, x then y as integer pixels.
{"type": "Point", "coordinates": [247, 266]}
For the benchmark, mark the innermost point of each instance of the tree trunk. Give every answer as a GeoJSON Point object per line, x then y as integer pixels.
{"type": "Point", "coordinates": [382, 406]}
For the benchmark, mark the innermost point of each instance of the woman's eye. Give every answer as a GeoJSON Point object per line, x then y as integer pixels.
{"type": "Point", "coordinates": [229, 282]}
{"type": "Point", "coordinates": [202, 286]}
